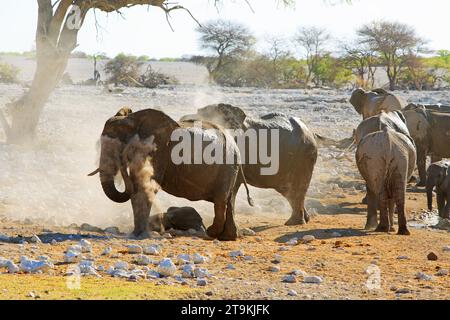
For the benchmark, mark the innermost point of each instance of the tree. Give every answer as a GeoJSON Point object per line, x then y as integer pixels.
{"type": "Point", "coordinates": [312, 41]}
{"type": "Point", "coordinates": [362, 61]}
{"type": "Point", "coordinates": [227, 40]}
{"type": "Point", "coordinates": [124, 69]}
{"type": "Point", "coordinates": [394, 42]}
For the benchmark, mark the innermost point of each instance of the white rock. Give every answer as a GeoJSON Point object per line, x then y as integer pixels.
{"type": "Point", "coordinates": [336, 235]}
{"type": "Point", "coordinates": [183, 259]}
{"type": "Point", "coordinates": [312, 279]}
{"type": "Point", "coordinates": [274, 269]}
{"type": "Point", "coordinates": [54, 242]}
{"type": "Point", "coordinates": [72, 256]}
{"type": "Point", "coordinates": [292, 242]}
{"type": "Point", "coordinates": [107, 251]}
{"type": "Point", "coordinates": [75, 248]}
{"type": "Point", "coordinates": [167, 268]}
{"type": "Point", "coordinates": [246, 232]}
{"type": "Point", "coordinates": [135, 249]}
{"type": "Point", "coordinates": [292, 293]}
{"type": "Point", "coordinates": [12, 267]}
{"type": "Point", "coordinates": [230, 267]}
{"type": "Point", "coordinates": [277, 258]}
{"type": "Point", "coordinates": [4, 237]}
{"type": "Point", "coordinates": [199, 259]}
{"type": "Point", "coordinates": [402, 258]}
{"type": "Point", "coordinates": [283, 249]}
{"type": "Point", "coordinates": [202, 282]}
{"type": "Point", "coordinates": [152, 250]}
{"type": "Point", "coordinates": [235, 254]}
{"type": "Point", "coordinates": [446, 249]}
{"type": "Point", "coordinates": [309, 238]}
{"type": "Point", "coordinates": [442, 273]}
{"type": "Point", "coordinates": [121, 265]}
{"type": "Point", "coordinates": [299, 273]}
{"type": "Point", "coordinates": [153, 274]}
{"type": "Point", "coordinates": [201, 273]}
{"type": "Point", "coordinates": [187, 271]}
{"type": "Point", "coordinates": [32, 266]}
{"type": "Point", "coordinates": [35, 239]}
{"type": "Point", "coordinates": [423, 276]}
{"type": "Point", "coordinates": [85, 245]}
{"type": "Point", "coordinates": [87, 268]}
{"type": "Point", "coordinates": [289, 279]}
{"type": "Point", "coordinates": [143, 260]}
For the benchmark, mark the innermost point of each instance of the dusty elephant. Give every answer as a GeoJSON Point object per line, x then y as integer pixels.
{"type": "Point", "coordinates": [141, 147]}
{"type": "Point", "coordinates": [438, 175]}
{"type": "Point", "coordinates": [184, 218]}
{"type": "Point", "coordinates": [297, 153]}
{"type": "Point", "coordinates": [371, 103]}
{"type": "Point", "coordinates": [386, 160]}
{"type": "Point", "coordinates": [431, 133]}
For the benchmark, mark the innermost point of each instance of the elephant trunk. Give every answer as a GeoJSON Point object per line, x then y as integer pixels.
{"type": "Point", "coordinates": [429, 188]}
{"type": "Point", "coordinates": [110, 190]}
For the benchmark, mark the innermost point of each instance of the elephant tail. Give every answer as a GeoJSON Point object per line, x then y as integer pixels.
{"type": "Point", "coordinates": [249, 198]}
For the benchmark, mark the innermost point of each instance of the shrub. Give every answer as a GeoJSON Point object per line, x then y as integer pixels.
{"type": "Point", "coordinates": [9, 73]}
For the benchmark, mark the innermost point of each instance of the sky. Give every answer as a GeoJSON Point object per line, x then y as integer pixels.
{"type": "Point", "coordinates": [145, 31]}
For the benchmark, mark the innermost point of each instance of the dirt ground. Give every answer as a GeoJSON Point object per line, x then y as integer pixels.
{"type": "Point", "coordinates": [347, 258]}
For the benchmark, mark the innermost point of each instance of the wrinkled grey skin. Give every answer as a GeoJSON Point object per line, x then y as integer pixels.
{"type": "Point", "coordinates": [431, 133]}
{"type": "Point", "coordinates": [183, 218]}
{"type": "Point", "coordinates": [298, 154]}
{"type": "Point", "coordinates": [438, 175]}
{"type": "Point", "coordinates": [386, 160]}
{"type": "Point", "coordinates": [127, 135]}
{"type": "Point", "coordinates": [371, 103]}
{"type": "Point", "coordinates": [393, 120]}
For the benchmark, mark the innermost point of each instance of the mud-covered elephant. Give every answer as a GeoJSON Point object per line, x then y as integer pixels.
{"type": "Point", "coordinates": [386, 160]}
{"type": "Point", "coordinates": [297, 153]}
{"type": "Point", "coordinates": [371, 103]}
{"type": "Point", "coordinates": [438, 175]}
{"type": "Point", "coordinates": [183, 218]}
{"type": "Point", "coordinates": [141, 147]}
{"type": "Point", "coordinates": [431, 133]}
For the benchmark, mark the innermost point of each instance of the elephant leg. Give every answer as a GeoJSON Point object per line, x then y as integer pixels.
{"type": "Point", "coordinates": [440, 203]}
{"type": "Point", "coordinates": [446, 211]}
{"type": "Point", "coordinates": [141, 210]}
{"type": "Point", "coordinates": [399, 195]}
{"type": "Point", "coordinates": [372, 215]}
{"type": "Point", "coordinates": [383, 226]}
{"type": "Point", "coordinates": [219, 219]}
{"type": "Point", "coordinates": [365, 199]}
{"type": "Point", "coordinates": [296, 198]}
{"type": "Point", "coordinates": [230, 232]}
{"type": "Point", "coordinates": [391, 215]}
{"type": "Point", "coordinates": [421, 166]}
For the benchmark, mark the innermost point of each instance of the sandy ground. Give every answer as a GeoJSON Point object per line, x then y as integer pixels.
{"type": "Point", "coordinates": [45, 189]}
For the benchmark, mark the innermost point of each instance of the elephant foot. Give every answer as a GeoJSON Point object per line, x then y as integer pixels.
{"type": "Point", "coordinates": [403, 232]}
{"type": "Point", "coordinates": [392, 229]}
{"type": "Point", "coordinates": [295, 221]}
{"type": "Point", "coordinates": [228, 236]}
{"type": "Point", "coordinates": [213, 232]}
{"type": "Point", "coordinates": [140, 235]}
{"type": "Point", "coordinates": [370, 225]}
{"type": "Point", "coordinates": [382, 228]}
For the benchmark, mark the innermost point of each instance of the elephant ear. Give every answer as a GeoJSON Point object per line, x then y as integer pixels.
{"type": "Point", "coordinates": [380, 91]}
{"type": "Point", "coordinates": [124, 112]}
{"type": "Point", "coordinates": [401, 116]}
{"type": "Point", "coordinates": [119, 127]}
{"type": "Point", "coordinates": [225, 115]}
{"type": "Point", "coordinates": [357, 100]}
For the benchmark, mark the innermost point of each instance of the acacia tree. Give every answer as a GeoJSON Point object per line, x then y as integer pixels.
{"type": "Point", "coordinates": [362, 60]}
{"type": "Point", "coordinates": [312, 40]}
{"type": "Point", "coordinates": [228, 40]}
{"type": "Point", "coordinates": [393, 42]}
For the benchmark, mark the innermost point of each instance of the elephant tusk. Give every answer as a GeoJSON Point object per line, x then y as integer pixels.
{"type": "Point", "coordinates": [94, 173]}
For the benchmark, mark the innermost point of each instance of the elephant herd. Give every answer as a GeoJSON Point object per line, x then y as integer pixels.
{"type": "Point", "coordinates": [390, 140]}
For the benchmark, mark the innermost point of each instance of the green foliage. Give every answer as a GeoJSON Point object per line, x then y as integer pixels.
{"type": "Point", "coordinates": [331, 71]}
{"type": "Point", "coordinates": [8, 73]}
{"type": "Point", "coordinates": [124, 69]}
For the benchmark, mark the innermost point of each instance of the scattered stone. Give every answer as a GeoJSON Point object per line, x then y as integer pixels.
{"type": "Point", "coordinates": [31, 295]}
{"type": "Point", "coordinates": [188, 271]}
{"type": "Point", "coordinates": [403, 291]}
{"type": "Point", "coordinates": [248, 258]}
{"type": "Point", "coordinates": [107, 251]}
{"type": "Point", "coordinates": [309, 238]}
{"type": "Point", "coordinates": [277, 258]}
{"type": "Point", "coordinates": [201, 273]}
{"type": "Point", "coordinates": [112, 230]}
{"type": "Point", "coordinates": [423, 276]}
{"type": "Point", "coordinates": [54, 242]}
{"type": "Point", "coordinates": [289, 279]}
{"type": "Point", "coordinates": [167, 236]}
{"type": "Point", "coordinates": [246, 232]}
{"type": "Point", "coordinates": [199, 259]}
{"type": "Point", "coordinates": [121, 265]}
{"type": "Point", "coordinates": [312, 279]}
{"type": "Point", "coordinates": [432, 256]}
{"type": "Point", "coordinates": [72, 256]}
{"type": "Point", "coordinates": [87, 268]}
{"type": "Point", "coordinates": [9, 265]}
{"type": "Point", "coordinates": [259, 239]}
{"type": "Point", "coordinates": [299, 273]}
{"type": "Point", "coordinates": [230, 267]}
{"type": "Point", "coordinates": [154, 235]}
{"type": "Point", "coordinates": [153, 274]}
{"type": "Point", "coordinates": [402, 258]}
{"type": "Point", "coordinates": [143, 260]}
{"type": "Point", "coordinates": [183, 258]}
{"type": "Point", "coordinates": [274, 269]}
{"type": "Point", "coordinates": [336, 235]}
{"type": "Point", "coordinates": [35, 239]}
{"type": "Point", "coordinates": [85, 245]}
{"type": "Point", "coordinates": [4, 237]}
{"type": "Point", "coordinates": [442, 273]}
{"type": "Point", "coordinates": [292, 293]}
{"type": "Point", "coordinates": [134, 249]}
{"type": "Point", "coordinates": [292, 242]}
{"type": "Point", "coordinates": [152, 250]}
{"type": "Point", "coordinates": [166, 268]}
{"type": "Point", "coordinates": [235, 254]}
{"type": "Point", "coordinates": [202, 282]}
{"type": "Point", "coordinates": [283, 249]}
{"type": "Point", "coordinates": [28, 265]}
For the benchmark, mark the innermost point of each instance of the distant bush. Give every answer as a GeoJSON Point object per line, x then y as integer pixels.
{"type": "Point", "coordinates": [152, 79]}
{"type": "Point", "coordinates": [9, 73]}
{"type": "Point", "coordinates": [79, 55]}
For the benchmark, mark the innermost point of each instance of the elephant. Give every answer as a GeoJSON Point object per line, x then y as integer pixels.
{"type": "Point", "coordinates": [431, 133]}
{"type": "Point", "coordinates": [297, 153]}
{"type": "Point", "coordinates": [371, 103]}
{"type": "Point", "coordinates": [438, 175]}
{"type": "Point", "coordinates": [386, 160]}
{"type": "Point", "coordinates": [184, 218]}
{"type": "Point", "coordinates": [141, 147]}
{"type": "Point", "coordinates": [432, 107]}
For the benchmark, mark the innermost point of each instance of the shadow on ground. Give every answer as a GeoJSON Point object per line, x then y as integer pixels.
{"type": "Point", "coordinates": [322, 234]}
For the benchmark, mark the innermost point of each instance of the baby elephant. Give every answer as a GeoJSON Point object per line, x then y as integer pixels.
{"type": "Point", "coordinates": [184, 218]}
{"type": "Point", "coordinates": [438, 175]}
{"type": "Point", "coordinates": [386, 160]}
